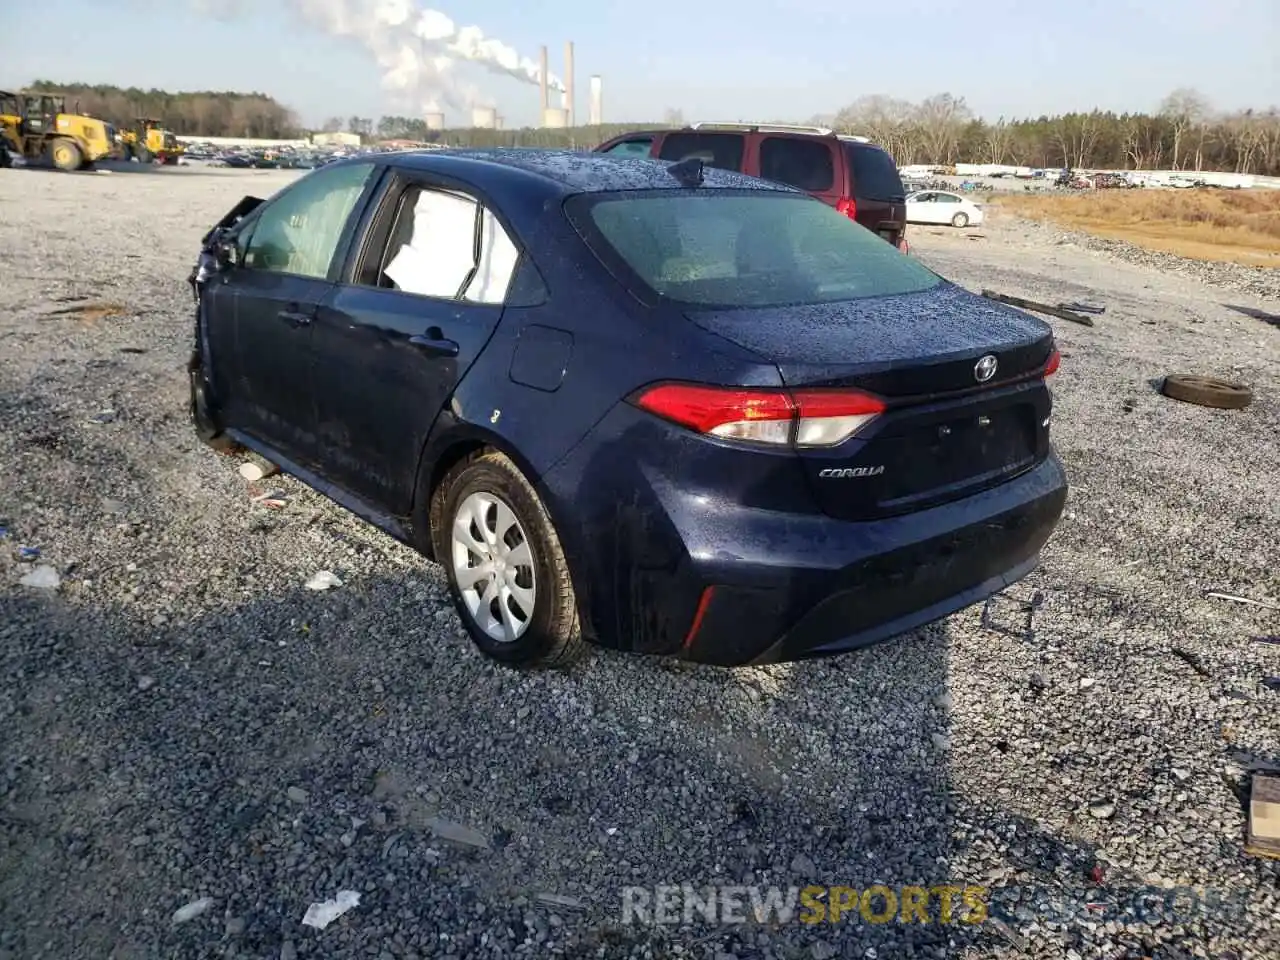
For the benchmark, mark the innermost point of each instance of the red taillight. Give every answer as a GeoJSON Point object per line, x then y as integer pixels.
{"type": "Point", "coordinates": [805, 418]}
{"type": "Point", "coordinates": [902, 245]}
{"type": "Point", "coordinates": [848, 207]}
{"type": "Point", "coordinates": [1052, 364]}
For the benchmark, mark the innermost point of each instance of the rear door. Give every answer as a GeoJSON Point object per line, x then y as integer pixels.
{"type": "Point", "coordinates": [877, 190]}
{"type": "Point", "coordinates": [727, 151]}
{"type": "Point", "coordinates": [425, 294]}
{"type": "Point", "coordinates": [808, 163]}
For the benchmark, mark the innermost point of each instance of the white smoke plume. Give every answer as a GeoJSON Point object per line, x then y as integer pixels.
{"type": "Point", "coordinates": [415, 48]}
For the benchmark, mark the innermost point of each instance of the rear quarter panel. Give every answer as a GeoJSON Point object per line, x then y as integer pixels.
{"type": "Point", "coordinates": [552, 371]}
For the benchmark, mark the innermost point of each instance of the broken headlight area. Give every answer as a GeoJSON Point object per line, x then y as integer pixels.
{"type": "Point", "coordinates": [214, 244]}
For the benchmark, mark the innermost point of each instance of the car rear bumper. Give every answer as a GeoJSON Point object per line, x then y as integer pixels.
{"type": "Point", "coordinates": [680, 554]}
{"type": "Point", "coordinates": [861, 583]}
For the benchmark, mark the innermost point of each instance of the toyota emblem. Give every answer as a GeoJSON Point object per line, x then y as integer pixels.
{"type": "Point", "coordinates": [985, 368]}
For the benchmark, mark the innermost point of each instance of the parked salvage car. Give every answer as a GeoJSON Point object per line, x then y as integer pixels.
{"type": "Point", "coordinates": [666, 408]}
{"type": "Point", "coordinates": [939, 206]}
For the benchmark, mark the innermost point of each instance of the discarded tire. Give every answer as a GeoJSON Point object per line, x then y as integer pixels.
{"type": "Point", "coordinates": [1206, 392]}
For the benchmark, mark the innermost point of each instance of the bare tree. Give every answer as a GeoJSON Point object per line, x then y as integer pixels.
{"type": "Point", "coordinates": [940, 120]}
{"type": "Point", "coordinates": [673, 117]}
{"type": "Point", "coordinates": [1143, 140]}
{"type": "Point", "coordinates": [1076, 134]}
{"type": "Point", "coordinates": [1184, 109]}
{"type": "Point", "coordinates": [883, 119]}
{"type": "Point", "coordinates": [1269, 141]}
{"type": "Point", "coordinates": [1245, 133]}
{"type": "Point", "coordinates": [332, 125]}
{"type": "Point", "coordinates": [998, 141]}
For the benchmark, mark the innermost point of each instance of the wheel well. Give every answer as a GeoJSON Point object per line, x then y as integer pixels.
{"type": "Point", "coordinates": [450, 458]}
{"type": "Point", "coordinates": [454, 454]}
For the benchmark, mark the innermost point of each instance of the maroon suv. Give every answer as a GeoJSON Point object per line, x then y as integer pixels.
{"type": "Point", "coordinates": [853, 175]}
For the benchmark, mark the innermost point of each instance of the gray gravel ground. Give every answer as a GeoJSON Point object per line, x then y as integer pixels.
{"type": "Point", "coordinates": [182, 719]}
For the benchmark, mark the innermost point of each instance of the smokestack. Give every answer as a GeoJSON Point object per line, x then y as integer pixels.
{"type": "Point", "coordinates": [568, 82]}
{"type": "Point", "coordinates": [596, 107]}
{"type": "Point", "coordinates": [546, 97]}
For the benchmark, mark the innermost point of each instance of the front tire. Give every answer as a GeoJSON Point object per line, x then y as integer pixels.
{"type": "Point", "coordinates": [66, 154]}
{"type": "Point", "coordinates": [960, 220]}
{"type": "Point", "coordinates": [204, 418]}
{"type": "Point", "coordinates": [507, 572]}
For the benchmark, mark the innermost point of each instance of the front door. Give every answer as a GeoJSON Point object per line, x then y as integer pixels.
{"type": "Point", "coordinates": [286, 252]}
{"type": "Point", "coordinates": [392, 345]}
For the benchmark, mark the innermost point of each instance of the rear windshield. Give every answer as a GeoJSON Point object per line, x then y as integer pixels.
{"type": "Point", "coordinates": [875, 176]}
{"type": "Point", "coordinates": [743, 248]}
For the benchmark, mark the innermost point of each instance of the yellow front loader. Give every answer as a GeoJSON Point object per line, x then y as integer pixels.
{"type": "Point", "coordinates": [149, 141]}
{"type": "Point", "coordinates": [37, 127]}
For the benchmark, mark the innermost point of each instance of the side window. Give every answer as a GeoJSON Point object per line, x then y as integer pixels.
{"type": "Point", "coordinates": [447, 245]}
{"type": "Point", "coordinates": [298, 232]}
{"type": "Point", "coordinates": [946, 198]}
{"type": "Point", "coordinates": [723, 150]}
{"type": "Point", "coordinates": [806, 164]}
{"type": "Point", "coordinates": [632, 148]}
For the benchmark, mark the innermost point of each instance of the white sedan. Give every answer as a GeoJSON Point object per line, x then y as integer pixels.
{"type": "Point", "coordinates": [936, 206]}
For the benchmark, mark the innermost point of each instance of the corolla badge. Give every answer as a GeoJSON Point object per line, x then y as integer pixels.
{"type": "Point", "coordinates": [985, 368]}
{"type": "Point", "coordinates": [852, 471]}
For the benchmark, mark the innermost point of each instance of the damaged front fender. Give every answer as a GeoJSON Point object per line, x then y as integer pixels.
{"type": "Point", "coordinates": [213, 245]}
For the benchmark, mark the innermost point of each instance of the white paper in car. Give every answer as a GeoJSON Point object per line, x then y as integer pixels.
{"type": "Point", "coordinates": [437, 257]}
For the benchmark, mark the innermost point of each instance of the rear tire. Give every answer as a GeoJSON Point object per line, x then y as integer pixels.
{"type": "Point", "coordinates": [65, 154]}
{"type": "Point", "coordinates": [960, 220]}
{"type": "Point", "coordinates": [507, 572]}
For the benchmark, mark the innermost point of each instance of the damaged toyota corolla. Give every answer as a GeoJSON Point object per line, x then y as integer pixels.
{"type": "Point", "coordinates": [663, 408]}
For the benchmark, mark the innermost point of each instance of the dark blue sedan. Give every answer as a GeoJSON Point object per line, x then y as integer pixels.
{"type": "Point", "coordinates": [663, 408]}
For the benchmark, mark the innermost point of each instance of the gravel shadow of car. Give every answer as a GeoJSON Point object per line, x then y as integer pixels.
{"type": "Point", "coordinates": [156, 767]}
{"type": "Point", "coordinates": [1266, 317]}
{"type": "Point", "coordinates": [297, 744]}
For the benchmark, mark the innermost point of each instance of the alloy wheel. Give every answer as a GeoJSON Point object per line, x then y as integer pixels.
{"type": "Point", "coordinates": [493, 566]}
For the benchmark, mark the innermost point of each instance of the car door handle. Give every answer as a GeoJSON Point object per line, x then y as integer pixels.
{"type": "Point", "coordinates": [295, 318]}
{"type": "Point", "coordinates": [434, 344]}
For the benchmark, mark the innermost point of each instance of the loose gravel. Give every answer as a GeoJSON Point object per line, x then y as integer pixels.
{"type": "Point", "coordinates": [197, 747]}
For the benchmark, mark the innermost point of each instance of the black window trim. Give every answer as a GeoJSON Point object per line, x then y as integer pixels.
{"type": "Point", "coordinates": [392, 189]}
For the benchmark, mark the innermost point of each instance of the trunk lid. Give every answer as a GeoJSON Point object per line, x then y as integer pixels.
{"type": "Point", "coordinates": [944, 434]}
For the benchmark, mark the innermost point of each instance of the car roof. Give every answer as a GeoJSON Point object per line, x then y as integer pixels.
{"type": "Point", "coordinates": [567, 172]}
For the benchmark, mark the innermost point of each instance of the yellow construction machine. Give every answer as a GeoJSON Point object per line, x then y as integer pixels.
{"type": "Point", "coordinates": [36, 126]}
{"type": "Point", "coordinates": [148, 141]}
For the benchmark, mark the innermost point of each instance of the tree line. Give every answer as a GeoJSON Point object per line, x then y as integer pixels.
{"type": "Point", "coordinates": [207, 113]}
{"type": "Point", "coordinates": [1185, 133]}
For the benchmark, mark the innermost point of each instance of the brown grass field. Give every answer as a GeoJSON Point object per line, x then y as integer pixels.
{"type": "Point", "coordinates": [1241, 226]}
